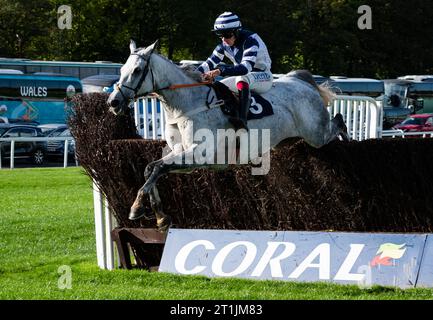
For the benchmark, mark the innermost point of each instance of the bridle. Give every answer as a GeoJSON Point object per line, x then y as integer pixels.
{"type": "Point", "coordinates": [143, 77]}
{"type": "Point", "coordinates": [140, 82]}
{"type": "Point", "coordinates": [210, 103]}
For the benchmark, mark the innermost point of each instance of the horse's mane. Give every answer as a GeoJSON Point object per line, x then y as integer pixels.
{"type": "Point", "coordinates": [188, 69]}
{"type": "Point", "coordinates": [191, 71]}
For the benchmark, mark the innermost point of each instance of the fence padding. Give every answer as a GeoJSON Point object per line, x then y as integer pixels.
{"type": "Point", "coordinates": [374, 185]}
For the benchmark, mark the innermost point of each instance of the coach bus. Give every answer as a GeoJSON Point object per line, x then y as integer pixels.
{"type": "Point", "coordinates": [74, 69]}
{"type": "Point", "coordinates": [355, 86]}
{"type": "Point", "coordinates": [342, 85]}
{"type": "Point", "coordinates": [38, 98]}
{"type": "Point", "coordinates": [421, 89]}
{"type": "Point", "coordinates": [398, 97]}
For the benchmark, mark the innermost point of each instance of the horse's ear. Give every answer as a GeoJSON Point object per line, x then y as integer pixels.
{"type": "Point", "coordinates": [132, 46]}
{"type": "Point", "coordinates": [155, 45]}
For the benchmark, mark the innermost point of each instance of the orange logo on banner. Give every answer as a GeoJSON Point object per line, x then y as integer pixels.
{"type": "Point", "coordinates": [386, 252]}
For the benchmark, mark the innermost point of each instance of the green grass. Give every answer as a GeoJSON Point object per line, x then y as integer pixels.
{"type": "Point", "coordinates": [46, 221]}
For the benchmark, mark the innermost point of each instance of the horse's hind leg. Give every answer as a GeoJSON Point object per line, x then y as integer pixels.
{"type": "Point", "coordinates": [336, 129]}
{"type": "Point", "coordinates": [341, 126]}
{"type": "Point", "coordinates": [326, 131]}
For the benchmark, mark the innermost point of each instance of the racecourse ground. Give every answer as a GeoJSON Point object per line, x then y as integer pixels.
{"type": "Point", "coordinates": [46, 221]}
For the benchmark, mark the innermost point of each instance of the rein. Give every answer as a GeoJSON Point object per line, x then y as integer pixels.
{"type": "Point", "coordinates": [143, 76]}
{"type": "Point", "coordinates": [209, 104]}
{"type": "Point", "coordinates": [185, 85]}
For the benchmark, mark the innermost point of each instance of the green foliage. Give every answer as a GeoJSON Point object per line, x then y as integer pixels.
{"type": "Point", "coordinates": [319, 35]}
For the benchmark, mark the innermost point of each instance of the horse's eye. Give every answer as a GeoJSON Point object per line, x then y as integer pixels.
{"type": "Point", "coordinates": [136, 71]}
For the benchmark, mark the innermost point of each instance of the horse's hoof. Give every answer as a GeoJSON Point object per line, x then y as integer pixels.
{"type": "Point", "coordinates": [344, 137]}
{"type": "Point", "coordinates": [164, 224]}
{"type": "Point", "coordinates": [138, 213]}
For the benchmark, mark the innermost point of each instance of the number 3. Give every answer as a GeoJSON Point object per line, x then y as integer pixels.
{"type": "Point", "coordinates": [255, 108]}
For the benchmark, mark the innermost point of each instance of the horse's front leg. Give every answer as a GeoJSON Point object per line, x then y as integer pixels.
{"type": "Point", "coordinates": [151, 175]}
{"type": "Point", "coordinates": [159, 168]}
{"type": "Point", "coordinates": [149, 169]}
{"type": "Point", "coordinates": [137, 209]}
{"type": "Point", "coordinates": [172, 161]}
{"type": "Point", "coordinates": [163, 220]}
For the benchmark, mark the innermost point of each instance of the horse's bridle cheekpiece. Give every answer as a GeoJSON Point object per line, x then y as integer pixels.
{"type": "Point", "coordinates": [143, 76]}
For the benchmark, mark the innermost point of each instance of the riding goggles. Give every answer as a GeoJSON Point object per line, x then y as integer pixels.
{"type": "Point", "coordinates": [224, 34]}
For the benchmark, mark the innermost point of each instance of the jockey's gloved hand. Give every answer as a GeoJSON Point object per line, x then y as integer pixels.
{"type": "Point", "coordinates": [211, 75]}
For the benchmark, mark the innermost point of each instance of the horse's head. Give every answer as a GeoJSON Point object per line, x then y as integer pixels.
{"type": "Point", "coordinates": [132, 82]}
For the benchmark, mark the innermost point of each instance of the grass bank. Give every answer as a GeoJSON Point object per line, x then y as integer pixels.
{"type": "Point", "coordinates": [46, 222]}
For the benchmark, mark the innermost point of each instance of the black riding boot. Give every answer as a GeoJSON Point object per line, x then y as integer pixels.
{"type": "Point", "coordinates": [239, 115]}
{"type": "Point", "coordinates": [244, 106]}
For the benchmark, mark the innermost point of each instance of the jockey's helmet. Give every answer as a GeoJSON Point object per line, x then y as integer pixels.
{"type": "Point", "coordinates": [227, 23]}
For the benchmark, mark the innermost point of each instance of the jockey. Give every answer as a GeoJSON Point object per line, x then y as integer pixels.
{"type": "Point", "coordinates": [251, 69]}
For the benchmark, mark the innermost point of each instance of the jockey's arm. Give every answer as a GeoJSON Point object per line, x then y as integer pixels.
{"type": "Point", "coordinates": [213, 61]}
{"type": "Point", "coordinates": [249, 57]}
{"type": "Point", "coordinates": [237, 70]}
{"type": "Point", "coordinates": [212, 68]}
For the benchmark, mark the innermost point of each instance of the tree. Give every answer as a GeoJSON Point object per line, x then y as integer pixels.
{"type": "Point", "coordinates": [319, 35]}
{"type": "Point", "coordinates": [23, 27]}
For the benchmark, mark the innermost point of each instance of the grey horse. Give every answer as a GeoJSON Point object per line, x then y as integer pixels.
{"type": "Point", "coordinates": [299, 110]}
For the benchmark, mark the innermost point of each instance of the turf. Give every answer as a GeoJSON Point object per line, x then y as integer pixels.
{"type": "Point", "coordinates": [46, 222]}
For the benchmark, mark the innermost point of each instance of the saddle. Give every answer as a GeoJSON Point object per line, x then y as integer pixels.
{"type": "Point", "coordinates": [259, 106]}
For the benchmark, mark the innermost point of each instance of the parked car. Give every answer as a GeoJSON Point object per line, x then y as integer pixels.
{"type": "Point", "coordinates": [51, 127]}
{"type": "Point", "coordinates": [56, 148]}
{"type": "Point", "coordinates": [100, 83]}
{"type": "Point", "coordinates": [32, 150]}
{"type": "Point", "coordinates": [416, 123]}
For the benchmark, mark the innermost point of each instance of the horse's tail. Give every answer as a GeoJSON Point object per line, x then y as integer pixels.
{"type": "Point", "coordinates": [324, 89]}
{"type": "Point", "coordinates": [326, 93]}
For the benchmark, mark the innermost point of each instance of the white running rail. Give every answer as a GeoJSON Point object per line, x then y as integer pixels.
{"type": "Point", "coordinates": [13, 140]}
{"type": "Point", "coordinates": [402, 134]}
{"type": "Point", "coordinates": [363, 116]}
{"type": "Point", "coordinates": [149, 114]}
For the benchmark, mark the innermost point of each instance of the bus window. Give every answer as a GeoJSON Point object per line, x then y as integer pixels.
{"type": "Point", "coordinates": [87, 72]}
{"type": "Point", "coordinates": [71, 68]}
{"type": "Point", "coordinates": [71, 71]}
{"type": "Point", "coordinates": [357, 86]}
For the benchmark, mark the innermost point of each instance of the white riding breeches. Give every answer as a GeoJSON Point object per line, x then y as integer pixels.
{"type": "Point", "coordinates": [259, 82]}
